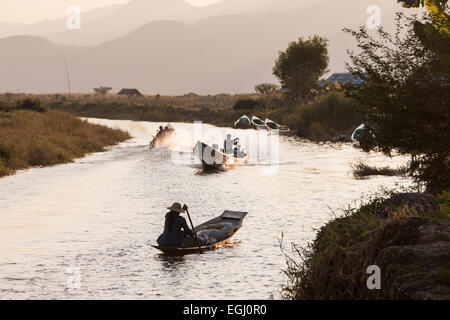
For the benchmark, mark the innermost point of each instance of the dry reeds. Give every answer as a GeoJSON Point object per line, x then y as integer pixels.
{"type": "Point", "coordinates": [362, 170]}
{"type": "Point", "coordinates": [29, 138]}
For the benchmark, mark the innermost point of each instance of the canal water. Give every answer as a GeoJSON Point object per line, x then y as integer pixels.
{"type": "Point", "coordinates": [85, 229]}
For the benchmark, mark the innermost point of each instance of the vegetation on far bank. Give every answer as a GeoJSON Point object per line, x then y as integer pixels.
{"type": "Point", "coordinates": [324, 117]}
{"type": "Point", "coordinates": [32, 135]}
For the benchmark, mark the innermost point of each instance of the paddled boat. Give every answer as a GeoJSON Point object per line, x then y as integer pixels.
{"type": "Point", "coordinates": [258, 123]}
{"type": "Point", "coordinates": [163, 139]}
{"type": "Point", "coordinates": [213, 159]}
{"type": "Point", "coordinates": [212, 234]}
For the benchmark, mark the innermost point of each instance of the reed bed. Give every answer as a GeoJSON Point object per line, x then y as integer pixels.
{"type": "Point", "coordinates": [30, 138]}
{"type": "Point", "coordinates": [362, 170]}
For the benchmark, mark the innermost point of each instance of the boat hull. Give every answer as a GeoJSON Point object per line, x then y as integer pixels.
{"type": "Point", "coordinates": [273, 126]}
{"type": "Point", "coordinates": [162, 141]}
{"type": "Point", "coordinates": [212, 159]}
{"type": "Point", "coordinates": [258, 123]}
{"type": "Point", "coordinates": [231, 219]}
{"type": "Point", "coordinates": [243, 123]}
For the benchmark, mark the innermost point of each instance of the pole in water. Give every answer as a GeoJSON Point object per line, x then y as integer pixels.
{"type": "Point", "coordinates": [65, 67]}
{"type": "Point", "coordinates": [193, 229]}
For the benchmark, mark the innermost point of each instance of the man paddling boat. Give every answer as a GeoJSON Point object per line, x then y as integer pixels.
{"type": "Point", "coordinates": [176, 230]}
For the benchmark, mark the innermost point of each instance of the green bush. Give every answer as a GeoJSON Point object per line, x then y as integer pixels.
{"type": "Point", "coordinates": [246, 104]}
{"type": "Point", "coordinates": [444, 203]}
{"type": "Point", "coordinates": [31, 105]}
{"type": "Point", "coordinates": [3, 106]}
{"type": "Point", "coordinates": [327, 116]}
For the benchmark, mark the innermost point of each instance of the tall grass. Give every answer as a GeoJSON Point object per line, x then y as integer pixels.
{"type": "Point", "coordinates": [362, 170]}
{"type": "Point", "coordinates": [29, 138]}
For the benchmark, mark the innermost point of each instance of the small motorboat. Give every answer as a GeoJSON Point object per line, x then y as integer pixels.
{"type": "Point", "coordinates": [258, 123]}
{"type": "Point", "coordinates": [163, 138]}
{"type": "Point", "coordinates": [213, 159]}
{"type": "Point", "coordinates": [243, 122]}
{"type": "Point", "coordinates": [212, 234]}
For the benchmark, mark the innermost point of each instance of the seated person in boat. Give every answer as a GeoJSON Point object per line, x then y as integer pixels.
{"type": "Point", "coordinates": [161, 132]}
{"type": "Point", "coordinates": [176, 229]}
{"type": "Point", "coordinates": [236, 147]}
{"type": "Point", "coordinates": [239, 152]}
{"type": "Point", "coordinates": [169, 129]}
{"type": "Point", "coordinates": [215, 147]}
{"type": "Point", "coordinates": [228, 145]}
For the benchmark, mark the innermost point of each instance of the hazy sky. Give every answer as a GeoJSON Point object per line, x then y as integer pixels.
{"type": "Point", "coordinates": [29, 11]}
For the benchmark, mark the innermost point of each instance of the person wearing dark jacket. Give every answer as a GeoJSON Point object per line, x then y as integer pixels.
{"type": "Point", "coordinates": [175, 228]}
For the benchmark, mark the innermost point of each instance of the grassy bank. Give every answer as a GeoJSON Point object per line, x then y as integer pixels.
{"type": "Point", "coordinates": [31, 138]}
{"type": "Point", "coordinates": [406, 235]}
{"type": "Point", "coordinates": [328, 116]}
{"type": "Point", "coordinates": [217, 110]}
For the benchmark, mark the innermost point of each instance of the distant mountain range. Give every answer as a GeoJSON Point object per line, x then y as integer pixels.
{"type": "Point", "coordinates": [110, 22]}
{"type": "Point", "coordinates": [217, 54]}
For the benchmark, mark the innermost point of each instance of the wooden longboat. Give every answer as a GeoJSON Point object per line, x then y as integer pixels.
{"type": "Point", "coordinates": [161, 140]}
{"type": "Point", "coordinates": [272, 125]}
{"type": "Point", "coordinates": [258, 123]}
{"type": "Point", "coordinates": [213, 159]}
{"type": "Point", "coordinates": [243, 122]}
{"type": "Point", "coordinates": [232, 220]}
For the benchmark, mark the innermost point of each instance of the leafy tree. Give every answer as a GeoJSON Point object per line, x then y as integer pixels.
{"type": "Point", "coordinates": [301, 65]}
{"type": "Point", "coordinates": [268, 92]}
{"type": "Point", "coordinates": [405, 99]}
{"type": "Point", "coordinates": [436, 10]}
{"type": "Point", "coordinates": [102, 90]}
{"type": "Point", "coordinates": [433, 34]}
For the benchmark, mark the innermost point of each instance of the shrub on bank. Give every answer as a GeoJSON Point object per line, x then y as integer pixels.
{"type": "Point", "coordinates": [246, 104]}
{"type": "Point", "coordinates": [48, 138]}
{"type": "Point", "coordinates": [31, 105]}
{"type": "Point", "coordinates": [327, 116]}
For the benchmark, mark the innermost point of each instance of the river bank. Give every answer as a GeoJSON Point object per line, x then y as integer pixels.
{"type": "Point", "coordinates": [49, 137]}
{"type": "Point", "coordinates": [329, 117]}
{"type": "Point", "coordinates": [404, 237]}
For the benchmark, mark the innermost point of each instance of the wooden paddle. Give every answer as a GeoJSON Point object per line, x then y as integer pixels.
{"type": "Point", "coordinates": [185, 207]}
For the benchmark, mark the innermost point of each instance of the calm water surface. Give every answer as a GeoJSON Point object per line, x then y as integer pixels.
{"type": "Point", "coordinates": [100, 215]}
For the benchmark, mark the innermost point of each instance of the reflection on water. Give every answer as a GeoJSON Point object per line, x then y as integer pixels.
{"type": "Point", "coordinates": [170, 264]}
{"type": "Point", "coordinates": [100, 214]}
